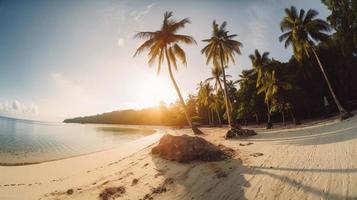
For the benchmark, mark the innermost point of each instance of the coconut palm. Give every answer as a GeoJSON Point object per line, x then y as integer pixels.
{"type": "Point", "coordinates": [217, 77]}
{"type": "Point", "coordinates": [263, 78]}
{"type": "Point", "coordinates": [204, 98]}
{"type": "Point", "coordinates": [164, 43]}
{"type": "Point", "coordinates": [259, 62]}
{"type": "Point", "coordinates": [220, 51]}
{"type": "Point", "coordinates": [215, 104]}
{"type": "Point", "coordinates": [269, 87]}
{"type": "Point", "coordinates": [301, 31]}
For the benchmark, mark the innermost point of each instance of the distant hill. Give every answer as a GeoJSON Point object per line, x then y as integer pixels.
{"type": "Point", "coordinates": [148, 116]}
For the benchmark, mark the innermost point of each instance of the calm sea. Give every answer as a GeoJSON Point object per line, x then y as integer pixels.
{"type": "Point", "coordinates": [25, 142]}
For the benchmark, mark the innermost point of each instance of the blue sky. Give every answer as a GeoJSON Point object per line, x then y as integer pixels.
{"type": "Point", "coordinates": [62, 59]}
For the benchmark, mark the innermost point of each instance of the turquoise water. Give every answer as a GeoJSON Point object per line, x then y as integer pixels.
{"type": "Point", "coordinates": [26, 142]}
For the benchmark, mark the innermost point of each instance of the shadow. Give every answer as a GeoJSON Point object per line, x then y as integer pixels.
{"type": "Point", "coordinates": [321, 134]}
{"type": "Point", "coordinates": [301, 186]}
{"type": "Point", "coordinates": [337, 171]}
{"type": "Point", "coordinates": [204, 180]}
{"type": "Point", "coordinates": [231, 180]}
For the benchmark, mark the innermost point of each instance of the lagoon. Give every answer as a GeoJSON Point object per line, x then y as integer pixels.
{"type": "Point", "coordinates": [29, 142]}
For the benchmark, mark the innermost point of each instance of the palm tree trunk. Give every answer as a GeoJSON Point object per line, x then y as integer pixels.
{"type": "Point", "coordinates": [344, 114]}
{"type": "Point", "coordinates": [226, 96]}
{"type": "Point", "coordinates": [256, 118]}
{"type": "Point", "coordinates": [283, 117]}
{"type": "Point", "coordinates": [188, 117]}
{"type": "Point", "coordinates": [220, 85]}
{"type": "Point", "coordinates": [269, 124]}
{"type": "Point", "coordinates": [209, 116]}
{"type": "Point", "coordinates": [221, 88]}
{"type": "Point", "coordinates": [292, 116]}
{"type": "Point", "coordinates": [218, 117]}
{"type": "Point", "coordinates": [212, 117]}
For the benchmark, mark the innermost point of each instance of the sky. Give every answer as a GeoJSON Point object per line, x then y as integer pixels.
{"type": "Point", "coordinates": [62, 59]}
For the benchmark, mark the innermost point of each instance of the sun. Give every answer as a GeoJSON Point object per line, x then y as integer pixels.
{"type": "Point", "coordinates": [156, 89]}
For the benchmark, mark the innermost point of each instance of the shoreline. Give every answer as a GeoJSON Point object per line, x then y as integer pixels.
{"type": "Point", "coordinates": [157, 132]}
{"type": "Point", "coordinates": [19, 163]}
{"type": "Point", "coordinates": [36, 180]}
{"type": "Point", "coordinates": [291, 161]}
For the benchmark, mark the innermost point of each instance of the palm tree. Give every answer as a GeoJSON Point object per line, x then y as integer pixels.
{"type": "Point", "coordinates": [269, 87]}
{"type": "Point", "coordinates": [217, 77]}
{"type": "Point", "coordinates": [204, 98]}
{"type": "Point", "coordinates": [220, 50]}
{"type": "Point", "coordinates": [163, 44]}
{"type": "Point", "coordinates": [301, 31]}
{"type": "Point", "coordinates": [264, 78]}
{"type": "Point", "coordinates": [259, 62]}
{"type": "Point", "coordinates": [215, 104]}
{"type": "Point", "coordinates": [250, 102]}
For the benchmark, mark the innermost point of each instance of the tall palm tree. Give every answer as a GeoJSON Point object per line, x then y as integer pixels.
{"type": "Point", "coordinates": [301, 31]}
{"type": "Point", "coordinates": [220, 50]}
{"type": "Point", "coordinates": [164, 43]}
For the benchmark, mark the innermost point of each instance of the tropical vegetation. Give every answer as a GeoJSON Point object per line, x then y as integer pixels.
{"type": "Point", "coordinates": [318, 80]}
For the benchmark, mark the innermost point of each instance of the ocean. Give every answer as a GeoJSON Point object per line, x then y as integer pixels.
{"type": "Point", "coordinates": [30, 142]}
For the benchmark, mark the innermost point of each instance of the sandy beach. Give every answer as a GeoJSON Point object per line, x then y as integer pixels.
{"type": "Point", "coordinates": [314, 161]}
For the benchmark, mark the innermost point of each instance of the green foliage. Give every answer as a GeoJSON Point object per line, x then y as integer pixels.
{"type": "Point", "coordinates": [343, 19]}
{"type": "Point", "coordinates": [301, 31]}
{"type": "Point", "coordinates": [296, 87]}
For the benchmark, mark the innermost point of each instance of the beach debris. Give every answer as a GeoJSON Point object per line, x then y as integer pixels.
{"type": "Point", "coordinates": [134, 181]}
{"type": "Point", "coordinates": [69, 191]}
{"type": "Point", "coordinates": [112, 192]}
{"type": "Point", "coordinates": [186, 148]}
{"type": "Point", "coordinates": [246, 144]}
{"type": "Point", "coordinates": [256, 154]}
{"type": "Point", "coordinates": [239, 132]}
{"type": "Point", "coordinates": [162, 187]}
{"type": "Point", "coordinates": [147, 197]}
{"type": "Point", "coordinates": [146, 164]}
{"type": "Point", "coordinates": [105, 182]}
{"type": "Point", "coordinates": [159, 189]}
{"type": "Point", "coordinates": [220, 173]}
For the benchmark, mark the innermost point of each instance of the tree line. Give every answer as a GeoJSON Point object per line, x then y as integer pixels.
{"type": "Point", "coordinates": [318, 79]}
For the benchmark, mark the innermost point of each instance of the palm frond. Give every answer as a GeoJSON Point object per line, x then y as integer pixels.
{"type": "Point", "coordinates": [145, 35]}
{"type": "Point", "coordinates": [146, 45]}
{"type": "Point", "coordinates": [185, 39]}
{"type": "Point", "coordinates": [177, 50]}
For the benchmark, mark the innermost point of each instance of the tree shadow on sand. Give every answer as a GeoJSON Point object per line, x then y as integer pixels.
{"type": "Point", "coordinates": [230, 179]}
{"type": "Point", "coordinates": [320, 192]}
{"type": "Point", "coordinates": [203, 180]}
{"type": "Point", "coordinates": [333, 133]}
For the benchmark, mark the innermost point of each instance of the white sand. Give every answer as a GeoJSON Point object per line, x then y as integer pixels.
{"type": "Point", "coordinates": [307, 162]}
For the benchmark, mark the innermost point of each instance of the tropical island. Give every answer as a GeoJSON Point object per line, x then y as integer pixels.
{"type": "Point", "coordinates": [282, 130]}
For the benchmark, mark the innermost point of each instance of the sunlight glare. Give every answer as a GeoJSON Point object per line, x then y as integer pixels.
{"type": "Point", "coordinates": [156, 89]}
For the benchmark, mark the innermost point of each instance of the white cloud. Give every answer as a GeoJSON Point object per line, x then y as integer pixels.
{"type": "Point", "coordinates": [149, 6]}
{"type": "Point", "coordinates": [138, 14]}
{"type": "Point", "coordinates": [16, 108]}
{"type": "Point", "coordinates": [121, 42]}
